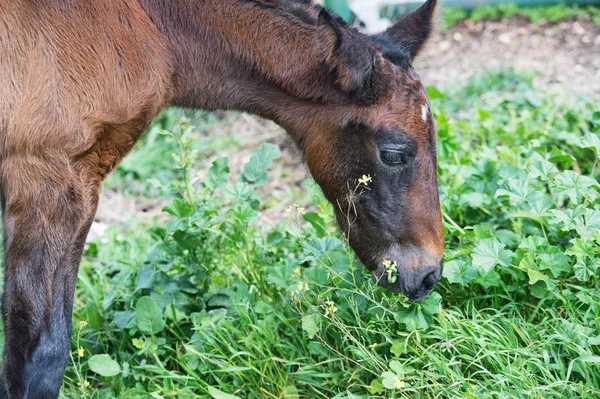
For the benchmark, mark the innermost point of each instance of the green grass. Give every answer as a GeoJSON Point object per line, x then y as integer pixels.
{"type": "Point", "coordinates": [215, 303]}
{"type": "Point", "coordinates": [554, 13]}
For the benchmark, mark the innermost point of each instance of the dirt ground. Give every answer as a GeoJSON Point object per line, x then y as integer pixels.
{"type": "Point", "coordinates": [565, 57]}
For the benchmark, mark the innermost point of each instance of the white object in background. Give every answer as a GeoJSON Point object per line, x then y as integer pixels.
{"type": "Point", "coordinates": [367, 12]}
{"type": "Point", "coordinates": [97, 231]}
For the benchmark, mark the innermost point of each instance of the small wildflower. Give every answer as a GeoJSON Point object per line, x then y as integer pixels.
{"type": "Point", "coordinates": [398, 383]}
{"type": "Point", "coordinates": [83, 324]}
{"type": "Point", "coordinates": [365, 180]}
{"type": "Point", "coordinates": [81, 351]}
{"type": "Point", "coordinates": [391, 270]}
{"type": "Point", "coordinates": [446, 345]}
{"type": "Point", "coordinates": [298, 209]}
{"type": "Point", "coordinates": [330, 308]}
{"type": "Point", "coordinates": [143, 362]}
{"type": "Point", "coordinates": [138, 343]}
{"type": "Point", "coordinates": [296, 272]}
{"type": "Point", "coordinates": [84, 384]}
{"type": "Point", "coordinates": [302, 286]}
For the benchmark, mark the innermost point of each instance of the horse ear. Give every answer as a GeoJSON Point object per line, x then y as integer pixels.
{"type": "Point", "coordinates": [360, 69]}
{"type": "Point", "coordinates": [413, 30]}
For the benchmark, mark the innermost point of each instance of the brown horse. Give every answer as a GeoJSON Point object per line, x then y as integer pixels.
{"type": "Point", "coordinates": [81, 80]}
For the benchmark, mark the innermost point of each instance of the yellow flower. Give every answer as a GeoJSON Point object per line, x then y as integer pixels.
{"type": "Point", "coordinates": [389, 265]}
{"type": "Point", "coordinates": [81, 352]}
{"type": "Point", "coordinates": [296, 272]}
{"type": "Point", "coordinates": [330, 308]}
{"type": "Point", "coordinates": [84, 384]}
{"type": "Point", "coordinates": [302, 286]}
{"type": "Point", "coordinates": [398, 383]}
{"type": "Point", "coordinates": [391, 270]}
{"type": "Point", "coordinates": [83, 323]}
{"type": "Point", "coordinates": [365, 180]}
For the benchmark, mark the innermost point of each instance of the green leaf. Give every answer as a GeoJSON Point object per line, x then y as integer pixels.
{"type": "Point", "coordinates": [561, 157]}
{"type": "Point", "coordinates": [581, 249]}
{"type": "Point", "coordinates": [218, 174]}
{"type": "Point", "coordinates": [532, 244]}
{"type": "Point", "coordinates": [255, 169]}
{"type": "Point", "coordinates": [591, 223]}
{"type": "Point", "coordinates": [244, 213]}
{"type": "Point", "coordinates": [582, 359]}
{"type": "Point", "coordinates": [489, 253]}
{"type": "Point", "coordinates": [542, 169]}
{"type": "Point", "coordinates": [262, 307]}
{"type": "Point", "coordinates": [459, 271]}
{"type": "Point", "coordinates": [311, 323]}
{"type": "Point", "coordinates": [584, 270]}
{"type": "Point", "coordinates": [391, 380]}
{"type": "Point", "coordinates": [419, 316]}
{"type": "Point", "coordinates": [376, 387]}
{"type": "Point", "coordinates": [104, 365]}
{"type": "Point", "coordinates": [397, 368]}
{"type": "Point", "coordinates": [554, 260]}
{"type": "Point", "coordinates": [124, 319]}
{"type": "Point", "coordinates": [491, 279]}
{"type": "Point", "coordinates": [536, 276]}
{"type": "Point", "coordinates": [591, 141]}
{"type": "Point", "coordinates": [575, 186]}
{"type": "Point", "coordinates": [280, 276]}
{"type": "Point", "coordinates": [137, 343]}
{"type": "Point", "coordinates": [434, 93]}
{"type": "Point", "coordinates": [594, 340]}
{"type": "Point", "coordinates": [516, 190]}
{"type": "Point", "coordinates": [432, 304]}
{"type": "Point", "coordinates": [179, 208]}
{"type": "Point", "coordinates": [398, 348]}
{"type": "Point", "coordinates": [317, 222]}
{"type": "Point", "coordinates": [569, 219]}
{"type": "Point", "coordinates": [148, 316]}
{"type": "Point", "coordinates": [218, 394]}
{"type": "Point", "coordinates": [291, 392]}
{"type": "Point", "coordinates": [241, 191]}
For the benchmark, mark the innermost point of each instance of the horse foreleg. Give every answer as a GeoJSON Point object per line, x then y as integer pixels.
{"type": "Point", "coordinates": [47, 211]}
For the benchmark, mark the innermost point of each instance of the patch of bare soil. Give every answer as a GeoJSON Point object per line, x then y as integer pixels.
{"type": "Point", "coordinates": [285, 178]}
{"type": "Point", "coordinates": [565, 56]}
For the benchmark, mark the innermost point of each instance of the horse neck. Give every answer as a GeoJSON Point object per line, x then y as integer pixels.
{"type": "Point", "coordinates": [256, 57]}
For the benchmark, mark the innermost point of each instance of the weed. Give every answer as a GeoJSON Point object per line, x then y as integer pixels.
{"type": "Point", "coordinates": [213, 304]}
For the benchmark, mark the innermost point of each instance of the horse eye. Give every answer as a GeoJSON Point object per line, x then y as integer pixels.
{"type": "Point", "coordinates": [393, 157]}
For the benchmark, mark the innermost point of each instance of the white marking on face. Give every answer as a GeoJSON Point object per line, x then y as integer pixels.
{"type": "Point", "coordinates": [424, 112]}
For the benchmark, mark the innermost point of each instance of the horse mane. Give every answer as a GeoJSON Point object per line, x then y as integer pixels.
{"type": "Point", "coordinates": [307, 13]}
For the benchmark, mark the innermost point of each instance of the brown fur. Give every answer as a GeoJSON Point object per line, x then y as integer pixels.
{"type": "Point", "coordinates": [81, 81]}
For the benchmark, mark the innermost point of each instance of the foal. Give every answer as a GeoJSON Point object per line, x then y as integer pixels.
{"type": "Point", "coordinates": [81, 80]}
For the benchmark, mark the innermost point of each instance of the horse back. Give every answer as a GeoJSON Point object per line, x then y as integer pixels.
{"type": "Point", "coordinates": [70, 68]}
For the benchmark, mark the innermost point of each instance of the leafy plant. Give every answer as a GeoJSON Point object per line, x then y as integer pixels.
{"type": "Point", "coordinates": [214, 303]}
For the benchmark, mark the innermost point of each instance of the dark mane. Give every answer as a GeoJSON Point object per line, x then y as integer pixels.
{"type": "Point", "coordinates": [306, 12]}
{"type": "Point", "coordinates": [303, 10]}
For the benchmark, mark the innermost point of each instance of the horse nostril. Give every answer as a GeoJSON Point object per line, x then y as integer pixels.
{"type": "Point", "coordinates": [429, 279]}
